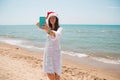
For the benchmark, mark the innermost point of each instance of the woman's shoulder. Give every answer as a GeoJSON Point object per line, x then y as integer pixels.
{"type": "Point", "coordinates": [60, 29]}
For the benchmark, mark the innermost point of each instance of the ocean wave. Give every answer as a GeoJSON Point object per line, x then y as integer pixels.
{"type": "Point", "coordinates": [7, 36]}
{"type": "Point", "coordinates": [19, 42]}
{"type": "Point", "coordinates": [106, 31]}
{"type": "Point", "coordinates": [98, 31]}
{"type": "Point", "coordinates": [97, 58]}
{"type": "Point", "coordinates": [75, 54]}
{"type": "Point", "coordinates": [104, 60]}
{"type": "Point", "coordinates": [10, 41]}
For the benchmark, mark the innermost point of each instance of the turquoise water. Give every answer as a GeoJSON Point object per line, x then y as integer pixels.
{"type": "Point", "coordinates": [99, 40]}
{"type": "Point", "coordinates": [92, 38]}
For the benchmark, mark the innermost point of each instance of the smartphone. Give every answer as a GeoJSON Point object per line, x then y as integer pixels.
{"type": "Point", "coordinates": [42, 21]}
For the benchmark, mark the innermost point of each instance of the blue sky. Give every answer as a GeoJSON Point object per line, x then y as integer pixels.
{"type": "Point", "coordinates": [69, 11]}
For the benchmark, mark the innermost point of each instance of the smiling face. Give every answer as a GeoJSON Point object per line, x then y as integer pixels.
{"type": "Point", "coordinates": [53, 20]}
{"type": "Point", "coordinates": [53, 23]}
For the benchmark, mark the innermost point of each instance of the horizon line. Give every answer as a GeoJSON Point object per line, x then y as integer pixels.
{"type": "Point", "coordinates": [63, 24]}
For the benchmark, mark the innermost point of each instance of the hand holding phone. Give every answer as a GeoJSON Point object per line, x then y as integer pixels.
{"type": "Point", "coordinates": [42, 21]}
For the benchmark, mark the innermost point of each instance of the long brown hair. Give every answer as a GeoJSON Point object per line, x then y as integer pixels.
{"type": "Point", "coordinates": [56, 24]}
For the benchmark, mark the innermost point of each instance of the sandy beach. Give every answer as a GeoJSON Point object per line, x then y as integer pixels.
{"type": "Point", "coordinates": [17, 63]}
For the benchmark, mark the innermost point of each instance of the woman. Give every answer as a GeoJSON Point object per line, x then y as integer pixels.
{"type": "Point", "coordinates": [52, 55]}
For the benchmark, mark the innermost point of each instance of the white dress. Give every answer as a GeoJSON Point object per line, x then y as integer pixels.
{"type": "Point", "coordinates": [52, 57]}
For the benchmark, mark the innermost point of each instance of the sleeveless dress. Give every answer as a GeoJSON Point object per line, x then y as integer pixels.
{"type": "Point", "coordinates": [52, 56]}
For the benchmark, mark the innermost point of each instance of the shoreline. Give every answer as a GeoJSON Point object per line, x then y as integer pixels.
{"type": "Point", "coordinates": [24, 63]}
{"type": "Point", "coordinates": [108, 58]}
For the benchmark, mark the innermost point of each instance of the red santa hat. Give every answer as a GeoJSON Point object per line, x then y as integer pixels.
{"type": "Point", "coordinates": [49, 14]}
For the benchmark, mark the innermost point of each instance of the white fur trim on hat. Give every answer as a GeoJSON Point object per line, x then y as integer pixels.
{"type": "Point", "coordinates": [52, 14]}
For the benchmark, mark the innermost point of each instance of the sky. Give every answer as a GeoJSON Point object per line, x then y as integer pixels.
{"type": "Point", "coordinates": [70, 11]}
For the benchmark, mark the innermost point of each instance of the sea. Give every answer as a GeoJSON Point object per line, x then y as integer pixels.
{"type": "Point", "coordinates": [98, 42]}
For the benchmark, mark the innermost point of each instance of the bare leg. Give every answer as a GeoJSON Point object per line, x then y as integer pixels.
{"type": "Point", "coordinates": [51, 76]}
{"type": "Point", "coordinates": [57, 77]}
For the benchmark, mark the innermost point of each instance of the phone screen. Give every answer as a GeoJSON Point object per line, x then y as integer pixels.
{"type": "Point", "coordinates": [42, 21]}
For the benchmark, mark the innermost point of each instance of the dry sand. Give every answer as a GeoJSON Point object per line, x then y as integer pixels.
{"type": "Point", "coordinates": [20, 64]}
